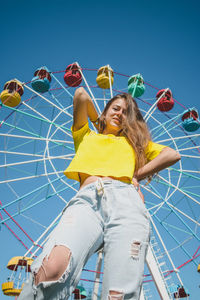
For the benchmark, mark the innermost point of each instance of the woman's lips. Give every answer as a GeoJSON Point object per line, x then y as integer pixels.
{"type": "Point", "coordinates": [116, 119]}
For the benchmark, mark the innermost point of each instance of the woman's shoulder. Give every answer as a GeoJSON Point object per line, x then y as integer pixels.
{"type": "Point", "coordinates": [153, 149]}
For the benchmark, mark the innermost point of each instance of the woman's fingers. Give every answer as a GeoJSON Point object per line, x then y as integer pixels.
{"type": "Point", "coordinates": [137, 186]}
{"type": "Point", "coordinates": [135, 183]}
{"type": "Point", "coordinates": [141, 195]}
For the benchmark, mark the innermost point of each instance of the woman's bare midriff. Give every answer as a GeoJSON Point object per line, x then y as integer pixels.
{"type": "Point", "coordinates": [87, 179]}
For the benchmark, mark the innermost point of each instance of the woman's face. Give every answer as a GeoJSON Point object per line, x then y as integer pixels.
{"type": "Point", "coordinates": [114, 115]}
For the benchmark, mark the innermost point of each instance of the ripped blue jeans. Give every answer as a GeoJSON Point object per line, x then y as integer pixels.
{"type": "Point", "coordinates": [109, 213]}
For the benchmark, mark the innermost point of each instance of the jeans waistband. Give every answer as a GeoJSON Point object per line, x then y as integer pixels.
{"type": "Point", "coordinates": [99, 184]}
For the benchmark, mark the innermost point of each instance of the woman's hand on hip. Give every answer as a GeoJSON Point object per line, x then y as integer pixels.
{"type": "Point", "coordinates": [137, 186]}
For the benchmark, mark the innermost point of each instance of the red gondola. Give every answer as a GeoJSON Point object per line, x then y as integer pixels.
{"type": "Point", "coordinates": [166, 102]}
{"type": "Point", "coordinates": [72, 75]}
{"type": "Point", "coordinates": [181, 293]}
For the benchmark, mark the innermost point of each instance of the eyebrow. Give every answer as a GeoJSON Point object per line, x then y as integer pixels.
{"type": "Point", "coordinates": [125, 109]}
{"type": "Point", "coordinates": [117, 105]}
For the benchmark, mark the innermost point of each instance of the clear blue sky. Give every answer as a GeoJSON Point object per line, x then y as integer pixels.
{"type": "Point", "coordinates": [159, 39]}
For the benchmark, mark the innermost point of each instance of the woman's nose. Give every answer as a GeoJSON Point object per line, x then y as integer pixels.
{"type": "Point", "coordinates": [119, 113]}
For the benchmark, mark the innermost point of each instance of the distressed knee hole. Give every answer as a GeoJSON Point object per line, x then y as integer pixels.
{"type": "Point", "coordinates": [135, 249]}
{"type": "Point", "coordinates": [55, 266]}
{"type": "Point", "coordinates": [115, 295]}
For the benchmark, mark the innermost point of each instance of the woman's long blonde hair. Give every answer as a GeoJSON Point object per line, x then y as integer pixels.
{"type": "Point", "coordinates": [133, 127]}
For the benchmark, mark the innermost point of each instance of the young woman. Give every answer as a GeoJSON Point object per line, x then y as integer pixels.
{"type": "Point", "coordinates": [108, 211]}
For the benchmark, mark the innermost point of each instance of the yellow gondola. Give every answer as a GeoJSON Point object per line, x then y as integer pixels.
{"type": "Point", "coordinates": [19, 261]}
{"type": "Point", "coordinates": [9, 290]}
{"type": "Point", "coordinates": [13, 287]}
{"type": "Point", "coordinates": [11, 95]}
{"type": "Point", "coordinates": [103, 79]}
{"type": "Point", "coordinates": [198, 268]}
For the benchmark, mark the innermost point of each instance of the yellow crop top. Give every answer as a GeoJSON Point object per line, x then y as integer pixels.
{"type": "Point", "coordinates": [105, 155]}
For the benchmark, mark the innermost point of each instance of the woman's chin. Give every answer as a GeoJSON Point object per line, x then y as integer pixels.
{"type": "Point", "coordinates": [116, 124]}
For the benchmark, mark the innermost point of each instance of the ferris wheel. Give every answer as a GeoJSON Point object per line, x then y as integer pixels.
{"type": "Point", "coordinates": [37, 146]}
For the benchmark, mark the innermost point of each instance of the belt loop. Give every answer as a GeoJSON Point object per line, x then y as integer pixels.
{"type": "Point", "coordinates": [100, 187]}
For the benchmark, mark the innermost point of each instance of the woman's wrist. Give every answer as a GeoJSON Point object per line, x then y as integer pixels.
{"type": "Point", "coordinates": [137, 175]}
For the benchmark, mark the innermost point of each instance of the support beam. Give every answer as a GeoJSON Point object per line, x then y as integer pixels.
{"type": "Point", "coordinates": [157, 278]}
{"type": "Point", "coordinates": [97, 277]}
{"type": "Point", "coordinates": [142, 295]}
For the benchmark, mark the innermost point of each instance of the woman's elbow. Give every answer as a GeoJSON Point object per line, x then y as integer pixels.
{"type": "Point", "coordinates": [178, 156]}
{"type": "Point", "coordinates": [173, 155]}
{"type": "Point", "coordinates": [80, 91]}
{"type": "Point", "coordinates": [80, 95]}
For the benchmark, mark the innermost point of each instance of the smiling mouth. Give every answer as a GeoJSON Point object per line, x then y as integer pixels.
{"type": "Point", "coordinates": [115, 119]}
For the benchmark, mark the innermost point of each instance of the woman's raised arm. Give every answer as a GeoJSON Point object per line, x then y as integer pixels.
{"type": "Point", "coordinates": [166, 158]}
{"type": "Point", "coordinates": [83, 109]}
